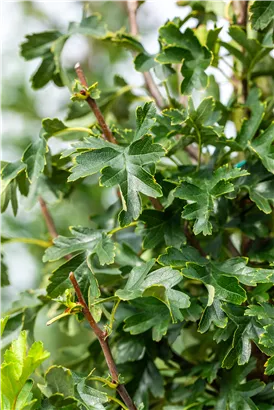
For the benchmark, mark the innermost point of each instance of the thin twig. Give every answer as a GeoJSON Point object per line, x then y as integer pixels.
{"type": "Point", "coordinates": [49, 222]}
{"type": "Point", "coordinates": [48, 218]}
{"type": "Point", "coordinates": [94, 107]}
{"type": "Point", "coordinates": [102, 338]}
{"type": "Point", "coordinates": [132, 9]}
{"type": "Point", "coordinates": [150, 84]}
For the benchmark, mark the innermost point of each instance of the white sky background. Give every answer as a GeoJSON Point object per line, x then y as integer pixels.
{"type": "Point", "coordinates": [22, 267]}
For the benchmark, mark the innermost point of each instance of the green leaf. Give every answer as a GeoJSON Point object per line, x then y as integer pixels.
{"type": "Point", "coordinates": [270, 366]}
{"type": "Point", "coordinates": [89, 26]}
{"type": "Point", "coordinates": [262, 13]}
{"type": "Point", "coordinates": [263, 195]}
{"type": "Point", "coordinates": [123, 167]}
{"type": "Point", "coordinates": [262, 311]}
{"type": "Point", "coordinates": [158, 284]}
{"type": "Point", "coordinates": [18, 366]}
{"type": "Point", "coordinates": [212, 314]}
{"type": "Point", "coordinates": [122, 39]}
{"type": "Point", "coordinates": [144, 62]}
{"type": "Point", "coordinates": [24, 400]}
{"type": "Point", "coordinates": [91, 397]}
{"type": "Point", "coordinates": [251, 125]}
{"type": "Point", "coordinates": [145, 119]}
{"type": "Point", "coordinates": [196, 58]}
{"type": "Point", "coordinates": [150, 314]}
{"type": "Point", "coordinates": [219, 285]}
{"type": "Point", "coordinates": [38, 44]}
{"type": "Point", "coordinates": [202, 192]}
{"type": "Point", "coordinates": [161, 227]}
{"type": "Point", "coordinates": [135, 280]}
{"type": "Point", "coordinates": [10, 177]}
{"type": "Point", "coordinates": [35, 158]}
{"type": "Point", "coordinates": [151, 381]}
{"type": "Point", "coordinates": [56, 128]}
{"type": "Point", "coordinates": [83, 240]}
{"type": "Point", "coordinates": [236, 392]}
{"type": "Point", "coordinates": [130, 349]}
{"type": "Point", "coordinates": [3, 323]}
{"type": "Point", "coordinates": [12, 328]}
{"type": "Point", "coordinates": [44, 73]}
{"type": "Point", "coordinates": [236, 267]}
{"type": "Point", "coordinates": [247, 329]}
{"type": "Point", "coordinates": [263, 147]}
{"type": "Point", "coordinates": [267, 338]}
{"type": "Point", "coordinates": [4, 273]}
{"type": "Point", "coordinates": [177, 258]}
{"type": "Point", "coordinates": [58, 380]}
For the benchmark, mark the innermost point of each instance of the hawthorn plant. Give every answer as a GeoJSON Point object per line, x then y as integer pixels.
{"type": "Point", "coordinates": [173, 283]}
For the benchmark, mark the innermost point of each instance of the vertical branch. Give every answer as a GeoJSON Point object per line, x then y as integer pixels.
{"type": "Point", "coordinates": [49, 222]}
{"type": "Point", "coordinates": [150, 84]}
{"type": "Point", "coordinates": [132, 10]}
{"type": "Point", "coordinates": [102, 338]}
{"type": "Point", "coordinates": [48, 218]}
{"type": "Point", "coordinates": [94, 107]}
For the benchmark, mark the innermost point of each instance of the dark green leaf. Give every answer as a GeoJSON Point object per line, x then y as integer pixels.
{"type": "Point", "coordinates": [262, 13]}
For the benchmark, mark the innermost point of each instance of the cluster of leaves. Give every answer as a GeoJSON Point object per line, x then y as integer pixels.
{"type": "Point", "coordinates": [179, 269]}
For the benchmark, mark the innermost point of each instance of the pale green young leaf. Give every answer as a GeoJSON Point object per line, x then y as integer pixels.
{"type": "Point", "coordinates": [18, 365]}
{"type": "Point", "coordinates": [3, 323]}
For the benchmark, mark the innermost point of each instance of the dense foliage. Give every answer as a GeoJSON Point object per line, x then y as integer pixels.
{"type": "Point", "coordinates": [176, 267]}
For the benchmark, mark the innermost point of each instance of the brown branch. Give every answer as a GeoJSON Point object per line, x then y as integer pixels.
{"type": "Point", "coordinates": [49, 222]}
{"type": "Point", "coordinates": [132, 7]}
{"type": "Point", "coordinates": [150, 84]}
{"type": "Point", "coordinates": [193, 240]}
{"type": "Point", "coordinates": [102, 338]}
{"type": "Point", "coordinates": [94, 107]}
{"type": "Point", "coordinates": [48, 218]}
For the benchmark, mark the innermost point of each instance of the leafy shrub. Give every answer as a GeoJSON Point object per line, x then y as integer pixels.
{"type": "Point", "coordinates": [176, 276]}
